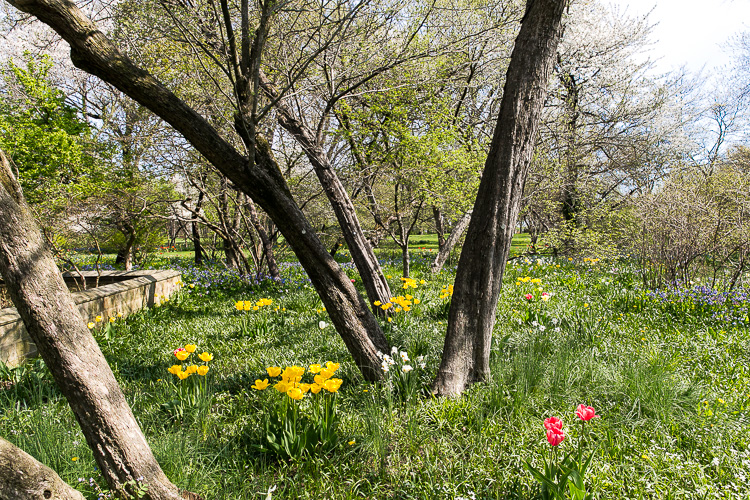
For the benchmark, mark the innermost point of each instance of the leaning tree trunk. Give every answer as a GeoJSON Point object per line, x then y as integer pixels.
{"type": "Point", "coordinates": [482, 264]}
{"type": "Point", "coordinates": [72, 355]}
{"type": "Point", "coordinates": [447, 247]}
{"type": "Point", "coordinates": [91, 51]}
{"type": "Point", "coordinates": [22, 477]}
{"type": "Point", "coordinates": [363, 255]}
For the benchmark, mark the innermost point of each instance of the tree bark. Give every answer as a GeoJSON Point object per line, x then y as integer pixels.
{"type": "Point", "coordinates": [480, 269]}
{"type": "Point", "coordinates": [273, 268]}
{"type": "Point", "coordinates": [196, 237]}
{"type": "Point", "coordinates": [447, 247]}
{"type": "Point", "coordinates": [22, 477]}
{"type": "Point", "coordinates": [72, 355]}
{"type": "Point", "coordinates": [367, 263]}
{"type": "Point", "coordinates": [437, 214]}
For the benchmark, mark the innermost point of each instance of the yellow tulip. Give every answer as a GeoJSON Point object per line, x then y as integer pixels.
{"type": "Point", "coordinates": [333, 384]}
{"type": "Point", "coordinates": [295, 393]}
{"type": "Point", "coordinates": [192, 369]}
{"type": "Point", "coordinates": [315, 388]}
{"type": "Point", "coordinates": [191, 347]}
{"type": "Point", "coordinates": [332, 366]}
{"type": "Point", "coordinates": [202, 370]}
{"type": "Point", "coordinates": [98, 319]}
{"type": "Point", "coordinates": [273, 371]}
{"type": "Point", "coordinates": [305, 387]}
{"type": "Point", "coordinates": [239, 305]}
{"type": "Point", "coordinates": [174, 369]}
{"type": "Point", "coordinates": [326, 373]}
{"type": "Point", "coordinates": [182, 375]}
{"type": "Point", "coordinates": [206, 357]}
{"type": "Point", "coordinates": [320, 379]}
{"type": "Point", "coordinates": [260, 384]}
{"type": "Point", "coordinates": [182, 355]}
{"type": "Point", "coordinates": [282, 386]}
{"type": "Point", "coordinates": [90, 325]}
{"type": "Point", "coordinates": [315, 368]}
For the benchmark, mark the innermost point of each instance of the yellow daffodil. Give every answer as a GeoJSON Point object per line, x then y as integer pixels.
{"type": "Point", "coordinates": [98, 319]}
{"type": "Point", "coordinates": [351, 443]}
{"type": "Point", "coordinates": [90, 325]}
{"type": "Point", "coordinates": [295, 393]}
{"type": "Point", "coordinates": [119, 315]}
{"type": "Point", "coordinates": [191, 347]}
{"type": "Point", "coordinates": [260, 384]}
{"type": "Point", "coordinates": [202, 370]}
{"type": "Point", "coordinates": [273, 371]}
{"type": "Point", "coordinates": [206, 357]}
{"type": "Point", "coordinates": [75, 459]}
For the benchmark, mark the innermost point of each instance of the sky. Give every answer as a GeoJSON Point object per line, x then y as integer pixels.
{"type": "Point", "coordinates": [690, 32]}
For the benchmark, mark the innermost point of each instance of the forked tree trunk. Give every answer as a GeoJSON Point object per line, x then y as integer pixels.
{"type": "Point", "coordinates": [263, 182]}
{"type": "Point", "coordinates": [72, 355]}
{"type": "Point", "coordinates": [22, 477]}
{"type": "Point", "coordinates": [447, 247]}
{"type": "Point", "coordinates": [480, 271]}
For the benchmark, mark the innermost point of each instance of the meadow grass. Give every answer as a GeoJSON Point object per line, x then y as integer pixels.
{"type": "Point", "coordinates": [667, 373]}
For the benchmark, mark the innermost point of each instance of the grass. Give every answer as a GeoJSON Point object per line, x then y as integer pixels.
{"type": "Point", "coordinates": [670, 378]}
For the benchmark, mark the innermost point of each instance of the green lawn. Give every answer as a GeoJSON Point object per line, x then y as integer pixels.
{"type": "Point", "coordinates": [668, 376]}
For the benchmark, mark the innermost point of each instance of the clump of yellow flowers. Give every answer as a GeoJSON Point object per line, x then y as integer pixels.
{"type": "Point", "coordinates": [291, 380]}
{"type": "Point", "coordinates": [184, 371]}
{"type": "Point", "coordinates": [249, 305]}
{"type": "Point", "coordinates": [446, 292]}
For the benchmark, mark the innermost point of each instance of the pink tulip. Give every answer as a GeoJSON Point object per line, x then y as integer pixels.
{"type": "Point", "coordinates": [555, 436]}
{"type": "Point", "coordinates": [528, 296]}
{"type": "Point", "coordinates": [553, 423]}
{"type": "Point", "coordinates": [586, 413]}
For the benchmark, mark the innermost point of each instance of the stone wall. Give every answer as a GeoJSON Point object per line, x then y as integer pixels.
{"type": "Point", "coordinates": [127, 292]}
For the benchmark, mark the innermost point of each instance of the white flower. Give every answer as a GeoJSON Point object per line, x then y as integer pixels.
{"type": "Point", "coordinates": [404, 356]}
{"type": "Point", "coordinates": [420, 359]}
{"type": "Point", "coordinates": [554, 321]}
{"type": "Point", "coordinates": [406, 368]}
{"type": "Point", "coordinates": [384, 366]}
{"type": "Point", "coordinates": [380, 355]}
{"type": "Point", "coordinates": [557, 329]}
{"type": "Point", "coordinates": [394, 350]}
{"type": "Point", "coordinates": [422, 365]}
{"type": "Point", "coordinates": [322, 324]}
{"type": "Point", "coordinates": [542, 328]}
{"type": "Point", "coordinates": [534, 323]}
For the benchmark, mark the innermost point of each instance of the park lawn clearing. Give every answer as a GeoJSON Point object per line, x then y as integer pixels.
{"type": "Point", "coordinates": [666, 372]}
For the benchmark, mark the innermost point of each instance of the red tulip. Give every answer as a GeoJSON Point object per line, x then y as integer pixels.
{"type": "Point", "coordinates": [528, 296]}
{"type": "Point", "coordinates": [553, 423]}
{"type": "Point", "coordinates": [586, 413]}
{"type": "Point", "coordinates": [555, 436]}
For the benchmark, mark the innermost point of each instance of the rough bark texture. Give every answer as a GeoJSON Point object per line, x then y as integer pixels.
{"type": "Point", "coordinates": [262, 181]}
{"type": "Point", "coordinates": [482, 263]}
{"type": "Point", "coordinates": [22, 477]}
{"type": "Point", "coordinates": [72, 355]}
{"type": "Point", "coordinates": [447, 247]}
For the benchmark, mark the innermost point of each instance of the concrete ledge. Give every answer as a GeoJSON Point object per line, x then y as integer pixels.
{"type": "Point", "coordinates": [126, 292]}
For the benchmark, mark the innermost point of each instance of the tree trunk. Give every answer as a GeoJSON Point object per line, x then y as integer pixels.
{"type": "Point", "coordinates": [362, 253]}
{"type": "Point", "coordinates": [447, 247]}
{"type": "Point", "coordinates": [197, 246]}
{"type": "Point", "coordinates": [273, 268]}
{"type": "Point", "coordinates": [480, 269]}
{"type": "Point", "coordinates": [405, 262]}
{"type": "Point", "coordinates": [72, 355]}
{"type": "Point", "coordinates": [437, 214]}
{"type": "Point", "coordinates": [91, 51]}
{"type": "Point", "coordinates": [22, 477]}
